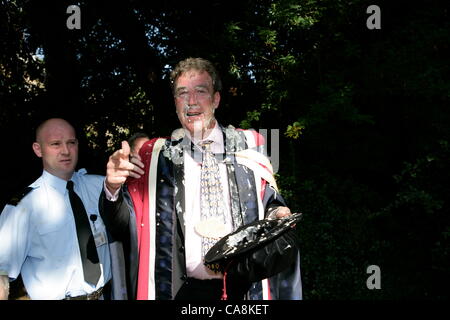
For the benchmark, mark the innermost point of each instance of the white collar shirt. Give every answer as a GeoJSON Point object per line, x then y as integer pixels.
{"type": "Point", "coordinates": [39, 239]}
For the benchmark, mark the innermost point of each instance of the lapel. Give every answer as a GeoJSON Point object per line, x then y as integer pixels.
{"type": "Point", "coordinates": [176, 149]}
{"type": "Point", "coordinates": [233, 141]}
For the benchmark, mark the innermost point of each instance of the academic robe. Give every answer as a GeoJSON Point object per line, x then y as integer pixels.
{"type": "Point", "coordinates": [149, 214]}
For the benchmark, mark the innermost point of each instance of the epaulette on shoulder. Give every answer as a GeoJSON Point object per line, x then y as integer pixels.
{"type": "Point", "coordinates": [19, 196]}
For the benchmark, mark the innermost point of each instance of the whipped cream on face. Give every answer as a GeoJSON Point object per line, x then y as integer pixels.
{"type": "Point", "coordinates": [200, 125]}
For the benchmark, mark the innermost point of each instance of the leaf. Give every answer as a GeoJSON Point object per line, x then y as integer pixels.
{"type": "Point", "coordinates": [295, 130]}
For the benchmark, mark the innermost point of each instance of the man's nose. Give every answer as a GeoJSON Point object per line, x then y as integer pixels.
{"type": "Point", "coordinates": [192, 99]}
{"type": "Point", "coordinates": [65, 149]}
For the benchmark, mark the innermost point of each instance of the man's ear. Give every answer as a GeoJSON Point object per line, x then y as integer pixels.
{"type": "Point", "coordinates": [216, 100]}
{"type": "Point", "coordinates": [37, 149]}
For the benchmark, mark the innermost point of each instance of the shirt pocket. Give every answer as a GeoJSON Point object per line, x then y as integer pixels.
{"type": "Point", "coordinates": [56, 238]}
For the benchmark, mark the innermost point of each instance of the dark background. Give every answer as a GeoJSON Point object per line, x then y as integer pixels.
{"type": "Point", "coordinates": [363, 114]}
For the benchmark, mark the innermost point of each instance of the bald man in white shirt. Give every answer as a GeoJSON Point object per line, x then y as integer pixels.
{"type": "Point", "coordinates": [38, 231]}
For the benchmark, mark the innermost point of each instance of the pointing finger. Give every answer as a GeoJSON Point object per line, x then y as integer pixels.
{"type": "Point", "coordinates": [125, 150]}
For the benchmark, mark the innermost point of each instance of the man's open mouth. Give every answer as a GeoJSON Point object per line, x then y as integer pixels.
{"type": "Point", "coordinates": [193, 114]}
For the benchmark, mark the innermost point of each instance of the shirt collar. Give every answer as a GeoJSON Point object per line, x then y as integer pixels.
{"type": "Point", "coordinates": [215, 135]}
{"type": "Point", "coordinates": [57, 183]}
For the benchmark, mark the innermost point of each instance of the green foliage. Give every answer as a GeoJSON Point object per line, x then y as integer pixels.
{"type": "Point", "coordinates": [251, 116]}
{"type": "Point", "coordinates": [336, 102]}
{"type": "Point", "coordinates": [291, 14]}
{"type": "Point", "coordinates": [269, 37]}
{"type": "Point", "coordinates": [413, 228]}
{"type": "Point", "coordinates": [332, 234]}
{"type": "Point", "coordinates": [295, 130]}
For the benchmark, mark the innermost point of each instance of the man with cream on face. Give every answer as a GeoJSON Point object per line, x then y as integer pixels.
{"type": "Point", "coordinates": [187, 192]}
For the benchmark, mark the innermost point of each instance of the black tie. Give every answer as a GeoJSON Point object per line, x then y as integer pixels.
{"type": "Point", "coordinates": [89, 256]}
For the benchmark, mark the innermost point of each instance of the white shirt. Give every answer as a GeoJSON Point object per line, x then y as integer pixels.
{"type": "Point", "coordinates": [38, 238]}
{"type": "Point", "coordinates": [193, 241]}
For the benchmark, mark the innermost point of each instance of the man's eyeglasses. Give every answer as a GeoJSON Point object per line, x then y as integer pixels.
{"type": "Point", "coordinates": [198, 94]}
